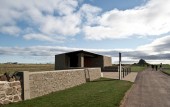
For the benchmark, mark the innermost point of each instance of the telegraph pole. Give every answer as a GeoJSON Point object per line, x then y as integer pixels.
{"type": "Point", "coordinates": [120, 68]}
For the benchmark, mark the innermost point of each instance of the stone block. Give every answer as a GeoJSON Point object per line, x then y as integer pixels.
{"type": "Point", "coordinates": [6, 85]}
{"type": "Point", "coordinates": [16, 98]}
{"type": "Point", "coordinates": [6, 102]}
{"type": "Point", "coordinates": [16, 83]}
{"type": "Point", "coordinates": [2, 95]}
{"type": "Point", "coordinates": [3, 78]}
{"type": "Point", "coordinates": [19, 89]}
{"type": "Point", "coordinates": [1, 85]}
{"type": "Point", "coordinates": [14, 92]}
{"type": "Point", "coordinates": [9, 91]}
{"type": "Point", "coordinates": [1, 103]}
{"type": "Point", "coordinates": [1, 88]}
{"type": "Point", "coordinates": [10, 98]}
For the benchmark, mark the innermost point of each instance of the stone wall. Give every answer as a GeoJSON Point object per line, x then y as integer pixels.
{"type": "Point", "coordinates": [10, 92]}
{"type": "Point", "coordinates": [35, 84]}
{"type": "Point", "coordinates": [94, 73]}
{"type": "Point", "coordinates": [42, 83]}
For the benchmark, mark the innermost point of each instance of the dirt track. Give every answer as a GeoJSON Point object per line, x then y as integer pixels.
{"type": "Point", "coordinates": [151, 89]}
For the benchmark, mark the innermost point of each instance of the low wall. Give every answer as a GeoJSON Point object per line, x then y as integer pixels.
{"type": "Point", "coordinates": [42, 83]}
{"type": "Point", "coordinates": [94, 73]}
{"type": "Point", "coordinates": [35, 84]}
{"type": "Point", "coordinates": [10, 92]}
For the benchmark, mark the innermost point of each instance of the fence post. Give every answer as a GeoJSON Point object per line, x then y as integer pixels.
{"type": "Point", "coordinates": [120, 68]}
{"type": "Point", "coordinates": [127, 70]}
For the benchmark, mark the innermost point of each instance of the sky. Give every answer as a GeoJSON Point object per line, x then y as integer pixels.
{"type": "Point", "coordinates": [34, 31]}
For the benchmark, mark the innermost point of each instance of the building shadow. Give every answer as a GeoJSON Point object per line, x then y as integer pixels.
{"type": "Point", "coordinates": [104, 79]}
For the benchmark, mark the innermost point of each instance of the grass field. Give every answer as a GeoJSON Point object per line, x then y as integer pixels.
{"type": "Point", "coordinates": [137, 68]}
{"type": "Point", "coordinates": [25, 67]}
{"type": "Point", "coordinates": [100, 93]}
{"type": "Point", "coordinates": [166, 68]}
{"type": "Point", "coordinates": [167, 71]}
{"type": "Point", "coordinates": [43, 67]}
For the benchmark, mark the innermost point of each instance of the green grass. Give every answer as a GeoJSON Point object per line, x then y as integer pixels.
{"type": "Point", "coordinates": [167, 71]}
{"type": "Point", "coordinates": [167, 68]}
{"type": "Point", "coordinates": [100, 93]}
{"type": "Point", "coordinates": [25, 67]}
{"type": "Point", "coordinates": [137, 68]}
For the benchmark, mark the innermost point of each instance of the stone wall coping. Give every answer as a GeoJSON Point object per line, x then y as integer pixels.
{"type": "Point", "coordinates": [8, 81]}
{"type": "Point", "coordinates": [66, 70]}
{"type": "Point", "coordinates": [55, 71]}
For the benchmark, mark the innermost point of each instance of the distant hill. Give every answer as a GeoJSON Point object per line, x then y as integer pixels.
{"type": "Point", "coordinates": [142, 62]}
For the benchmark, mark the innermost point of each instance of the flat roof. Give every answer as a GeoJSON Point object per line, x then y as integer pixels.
{"type": "Point", "coordinates": [81, 51]}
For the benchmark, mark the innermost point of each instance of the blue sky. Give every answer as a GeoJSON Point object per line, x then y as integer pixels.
{"type": "Point", "coordinates": [33, 31]}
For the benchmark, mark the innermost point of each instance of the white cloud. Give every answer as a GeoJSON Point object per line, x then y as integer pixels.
{"type": "Point", "coordinates": [52, 18]}
{"type": "Point", "coordinates": [38, 37]}
{"type": "Point", "coordinates": [65, 25]}
{"type": "Point", "coordinates": [101, 32]}
{"type": "Point", "coordinates": [89, 14]}
{"type": "Point", "coordinates": [52, 50]}
{"type": "Point", "coordinates": [151, 19]}
{"type": "Point", "coordinates": [11, 30]}
{"type": "Point", "coordinates": [159, 45]}
{"type": "Point", "coordinates": [63, 18]}
{"type": "Point", "coordinates": [128, 55]}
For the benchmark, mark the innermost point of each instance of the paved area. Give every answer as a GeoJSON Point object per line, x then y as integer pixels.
{"type": "Point", "coordinates": [115, 75]}
{"type": "Point", "coordinates": [151, 89]}
{"type": "Point", "coordinates": [112, 75]}
{"type": "Point", "coordinates": [130, 77]}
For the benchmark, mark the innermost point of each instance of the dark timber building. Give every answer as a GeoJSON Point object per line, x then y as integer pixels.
{"type": "Point", "coordinates": [81, 59]}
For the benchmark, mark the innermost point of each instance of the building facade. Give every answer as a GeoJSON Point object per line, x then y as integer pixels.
{"type": "Point", "coordinates": [81, 59]}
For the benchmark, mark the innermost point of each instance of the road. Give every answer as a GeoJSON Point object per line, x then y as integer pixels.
{"type": "Point", "coordinates": [151, 89]}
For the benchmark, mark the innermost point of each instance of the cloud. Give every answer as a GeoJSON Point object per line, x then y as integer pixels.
{"type": "Point", "coordinates": [35, 50]}
{"type": "Point", "coordinates": [159, 45]}
{"type": "Point", "coordinates": [60, 18]}
{"type": "Point", "coordinates": [89, 14]}
{"type": "Point", "coordinates": [52, 18]}
{"type": "Point", "coordinates": [151, 19]}
{"type": "Point", "coordinates": [157, 57]}
{"type": "Point", "coordinates": [156, 50]}
{"type": "Point", "coordinates": [38, 37]}
{"type": "Point", "coordinates": [10, 30]}
{"type": "Point", "coordinates": [52, 50]}
{"type": "Point", "coordinates": [65, 25]}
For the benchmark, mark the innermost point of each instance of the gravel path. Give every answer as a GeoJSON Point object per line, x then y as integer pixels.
{"type": "Point", "coordinates": [151, 89]}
